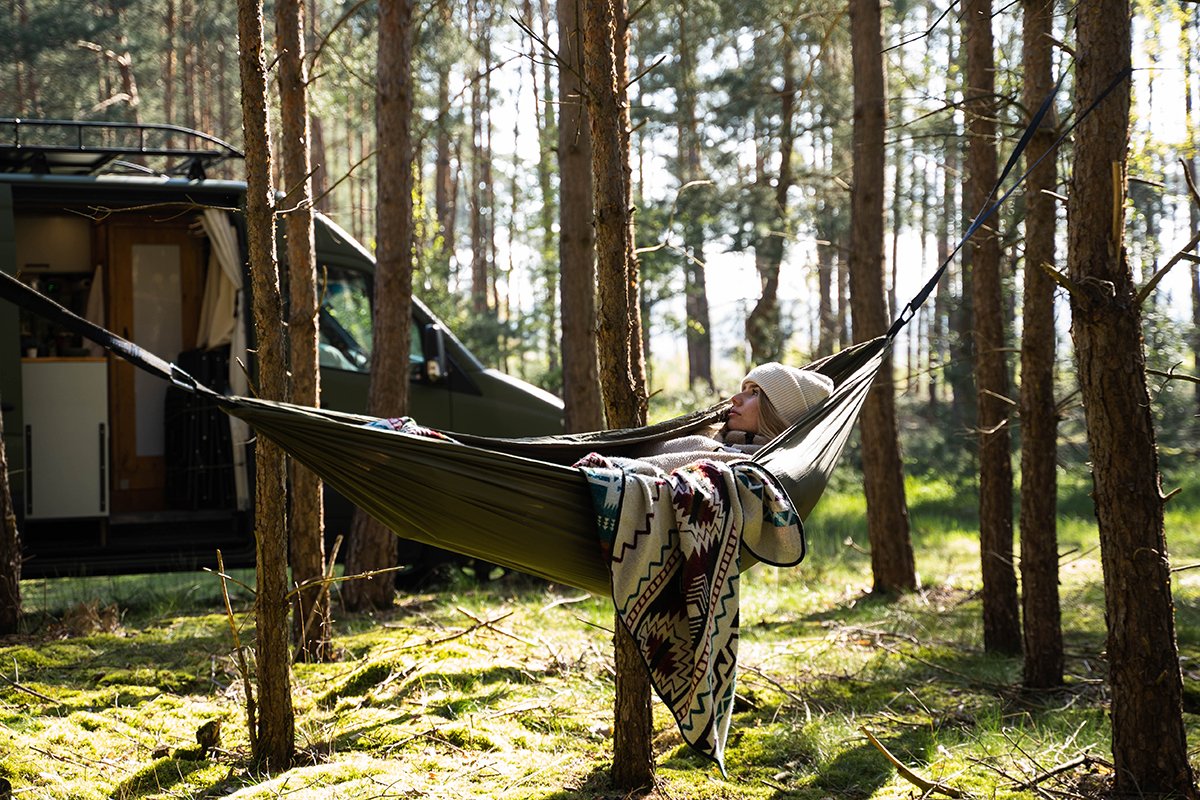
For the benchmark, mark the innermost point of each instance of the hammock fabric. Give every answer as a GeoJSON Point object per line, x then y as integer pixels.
{"type": "Point", "coordinates": [517, 502]}
{"type": "Point", "coordinates": [513, 502]}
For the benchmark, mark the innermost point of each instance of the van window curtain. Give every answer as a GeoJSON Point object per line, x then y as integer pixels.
{"type": "Point", "coordinates": [221, 322]}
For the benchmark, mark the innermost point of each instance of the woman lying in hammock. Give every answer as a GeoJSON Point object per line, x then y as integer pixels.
{"type": "Point", "coordinates": [773, 397]}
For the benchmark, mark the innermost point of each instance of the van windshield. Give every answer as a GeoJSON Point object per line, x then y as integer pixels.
{"type": "Point", "coordinates": [346, 328]}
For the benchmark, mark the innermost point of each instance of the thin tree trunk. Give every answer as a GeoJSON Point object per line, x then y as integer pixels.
{"type": "Point", "coordinates": [1039, 422]}
{"type": "Point", "coordinates": [887, 512]}
{"type": "Point", "coordinates": [633, 756]}
{"type": "Point", "coordinates": [698, 332]}
{"type": "Point", "coordinates": [763, 323]}
{"type": "Point", "coordinates": [274, 738]}
{"type": "Point", "coordinates": [169, 66]}
{"type": "Point", "coordinates": [320, 165]}
{"type": "Point", "coordinates": [372, 545]}
{"type": "Point", "coordinates": [581, 371]}
{"type": "Point", "coordinates": [310, 620]}
{"type": "Point", "coordinates": [1001, 620]}
{"type": "Point", "coordinates": [10, 552]}
{"type": "Point", "coordinates": [1149, 743]}
{"type": "Point", "coordinates": [547, 137]}
{"type": "Point", "coordinates": [1189, 29]}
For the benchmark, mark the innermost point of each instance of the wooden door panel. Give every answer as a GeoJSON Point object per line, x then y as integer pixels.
{"type": "Point", "coordinates": [155, 286]}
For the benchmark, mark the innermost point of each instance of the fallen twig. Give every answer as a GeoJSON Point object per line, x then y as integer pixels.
{"type": "Point", "coordinates": [487, 623]}
{"type": "Point", "coordinates": [910, 776]}
{"type": "Point", "coordinates": [1083, 760]}
{"type": "Point", "coordinates": [27, 690]}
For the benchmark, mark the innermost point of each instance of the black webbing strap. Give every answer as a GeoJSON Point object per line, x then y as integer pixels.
{"type": "Point", "coordinates": [910, 310]}
{"type": "Point", "coordinates": [26, 297]}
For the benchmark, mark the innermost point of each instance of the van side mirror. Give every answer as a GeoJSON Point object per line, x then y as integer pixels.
{"type": "Point", "coordinates": [433, 345]}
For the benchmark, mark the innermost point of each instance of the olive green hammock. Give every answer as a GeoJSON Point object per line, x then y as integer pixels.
{"type": "Point", "coordinates": [514, 502]}
{"type": "Point", "coordinates": [517, 502]}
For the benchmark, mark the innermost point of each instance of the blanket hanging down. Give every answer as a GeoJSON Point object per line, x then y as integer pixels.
{"type": "Point", "coordinates": [674, 544]}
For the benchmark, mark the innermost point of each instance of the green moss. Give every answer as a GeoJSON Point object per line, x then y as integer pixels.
{"type": "Point", "coordinates": [466, 738]}
{"type": "Point", "coordinates": [155, 777]}
{"type": "Point", "coordinates": [166, 680]}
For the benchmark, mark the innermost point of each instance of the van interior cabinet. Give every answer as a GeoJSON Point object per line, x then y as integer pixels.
{"type": "Point", "coordinates": [66, 437]}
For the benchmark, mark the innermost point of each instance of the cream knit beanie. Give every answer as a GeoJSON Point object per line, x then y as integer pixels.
{"type": "Point", "coordinates": [792, 391]}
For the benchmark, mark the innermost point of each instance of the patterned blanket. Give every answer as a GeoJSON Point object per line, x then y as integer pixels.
{"type": "Point", "coordinates": [674, 543]}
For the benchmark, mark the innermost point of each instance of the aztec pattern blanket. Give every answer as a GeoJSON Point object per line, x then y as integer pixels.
{"type": "Point", "coordinates": [673, 543]}
{"type": "Point", "coordinates": [406, 425]}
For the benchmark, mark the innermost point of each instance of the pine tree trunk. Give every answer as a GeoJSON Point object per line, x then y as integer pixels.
{"type": "Point", "coordinates": [1001, 621]}
{"type": "Point", "coordinates": [763, 329]}
{"type": "Point", "coordinates": [274, 742]}
{"type": "Point", "coordinates": [1039, 423]}
{"type": "Point", "coordinates": [633, 756]}
{"type": "Point", "coordinates": [310, 620]}
{"type": "Point", "coordinates": [581, 371]}
{"type": "Point", "coordinates": [320, 165]}
{"type": "Point", "coordinates": [372, 545]}
{"type": "Point", "coordinates": [698, 331]}
{"type": "Point", "coordinates": [10, 552]}
{"type": "Point", "coordinates": [547, 138]}
{"type": "Point", "coordinates": [1149, 744]}
{"type": "Point", "coordinates": [887, 512]}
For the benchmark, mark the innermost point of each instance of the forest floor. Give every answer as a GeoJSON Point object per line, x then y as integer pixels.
{"type": "Point", "coordinates": [504, 689]}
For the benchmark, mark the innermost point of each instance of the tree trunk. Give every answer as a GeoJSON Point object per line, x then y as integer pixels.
{"type": "Point", "coordinates": [887, 512]}
{"type": "Point", "coordinates": [310, 622]}
{"type": "Point", "coordinates": [320, 165]}
{"type": "Point", "coordinates": [581, 371]}
{"type": "Point", "coordinates": [372, 545]}
{"type": "Point", "coordinates": [1039, 422]}
{"type": "Point", "coordinates": [443, 173]}
{"type": "Point", "coordinates": [1190, 30]}
{"type": "Point", "coordinates": [1001, 622]}
{"type": "Point", "coordinates": [10, 552]}
{"type": "Point", "coordinates": [698, 331]}
{"type": "Point", "coordinates": [547, 138]}
{"type": "Point", "coordinates": [169, 66]}
{"type": "Point", "coordinates": [475, 196]}
{"type": "Point", "coordinates": [763, 323]}
{"type": "Point", "coordinates": [1149, 743]}
{"type": "Point", "coordinates": [274, 738]}
{"type": "Point", "coordinates": [633, 756]}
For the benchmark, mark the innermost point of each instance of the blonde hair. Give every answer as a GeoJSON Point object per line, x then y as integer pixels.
{"type": "Point", "coordinates": [770, 422]}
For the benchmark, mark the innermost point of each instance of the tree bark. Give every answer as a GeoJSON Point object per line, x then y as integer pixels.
{"type": "Point", "coordinates": [1149, 743]}
{"type": "Point", "coordinates": [310, 622]}
{"type": "Point", "coordinates": [1001, 621]}
{"type": "Point", "coordinates": [1039, 421]}
{"type": "Point", "coordinates": [576, 246]}
{"type": "Point", "coordinates": [372, 545]}
{"type": "Point", "coordinates": [274, 740]}
{"type": "Point", "coordinates": [10, 552]}
{"type": "Point", "coordinates": [763, 323]}
{"type": "Point", "coordinates": [698, 330]}
{"type": "Point", "coordinates": [320, 165]}
{"type": "Point", "coordinates": [892, 562]}
{"type": "Point", "coordinates": [633, 756]}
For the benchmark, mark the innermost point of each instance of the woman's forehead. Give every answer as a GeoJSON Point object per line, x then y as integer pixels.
{"type": "Point", "coordinates": [748, 385]}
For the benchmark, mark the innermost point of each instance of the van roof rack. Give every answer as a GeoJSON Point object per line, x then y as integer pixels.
{"type": "Point", "coordinates": [62, 147]}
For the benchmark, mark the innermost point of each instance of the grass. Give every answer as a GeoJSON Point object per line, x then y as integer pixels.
{"type": "Point", "coordinates": [425, 701]}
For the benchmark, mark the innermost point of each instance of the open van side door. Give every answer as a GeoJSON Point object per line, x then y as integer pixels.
{"type": "Point", "coordinates": [155, 286]}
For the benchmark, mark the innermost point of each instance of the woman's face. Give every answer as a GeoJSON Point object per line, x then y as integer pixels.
{"type": "Point", "coordinates": [744, 414]}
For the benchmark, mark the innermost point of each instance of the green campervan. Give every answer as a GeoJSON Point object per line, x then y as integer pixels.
{"type": "Point", "coordinates": [113, 470]}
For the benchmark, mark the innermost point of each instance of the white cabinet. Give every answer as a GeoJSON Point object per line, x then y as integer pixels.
{"type": "Point", "coordinates": [66, 437]}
